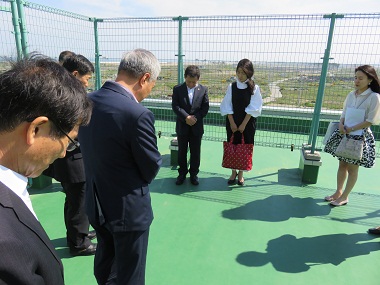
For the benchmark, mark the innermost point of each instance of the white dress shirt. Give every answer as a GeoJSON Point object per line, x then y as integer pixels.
{"type": "Point", "coordinates": [190, 92]}
{"type": "Point", "coordinates": [371, 106]}
{"type": "Point", "coordinates": [17, 183]}
{"type": "Point", "coordinates": [255, 106]}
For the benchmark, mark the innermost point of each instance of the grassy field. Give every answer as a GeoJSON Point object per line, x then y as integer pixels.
{"type": "Point", "coordinates": [298, 82]}
{"type": "Point", "coordinates": [298, 85]}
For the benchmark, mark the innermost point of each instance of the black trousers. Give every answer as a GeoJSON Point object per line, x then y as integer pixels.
{"type": "Point", "coordinates": [76, 219]}
{"type": "Point", "coordinates": [120, 257]}
{"type": "Point", "coordinates": [194, 143]}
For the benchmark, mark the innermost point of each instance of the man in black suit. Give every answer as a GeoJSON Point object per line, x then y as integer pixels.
{"type": "Point", "coordinates": [190, 104]}
{"type": "Point", "coordinates": [70, 172]}
{"type": "Point", "coordinates": [121, 159]}
{"type": "Point", "coordinates": [41, 109]}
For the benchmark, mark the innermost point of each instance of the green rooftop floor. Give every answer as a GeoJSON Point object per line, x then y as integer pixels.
{"type": "Point", "coordinates": [274, 230]}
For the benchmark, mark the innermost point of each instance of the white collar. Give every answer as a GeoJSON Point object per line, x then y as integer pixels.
{"type": "Point", "coordinates": [17, 183]}
{"type": "Point", "coordinates": [368, 91]}
{"type": "Point", "coordinates": [189, 89]}
{"type": "Point", "coordinates": [241, 85]}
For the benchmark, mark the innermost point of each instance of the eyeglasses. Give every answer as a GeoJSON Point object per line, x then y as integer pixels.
{"type": "Point", "coordinates": [73, 144]}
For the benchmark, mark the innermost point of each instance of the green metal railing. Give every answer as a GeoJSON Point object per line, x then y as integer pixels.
{"type": "Point", "coordinates": [304, 64]}
{"type": "Point", "coordinates": [322, 83]}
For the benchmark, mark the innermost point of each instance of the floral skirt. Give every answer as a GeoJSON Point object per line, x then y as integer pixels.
{"type": "Point", "coordinates": [368, 158]}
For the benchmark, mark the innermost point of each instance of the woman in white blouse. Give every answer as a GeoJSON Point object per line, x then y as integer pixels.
{"type": "Point", "coordinates": [361, 109]}
{"type": "Point", "coordinates": [242, 104]}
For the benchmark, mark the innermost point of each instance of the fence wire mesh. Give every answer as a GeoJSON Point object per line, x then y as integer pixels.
{"type": "Point", "coordinates": [286, 50]}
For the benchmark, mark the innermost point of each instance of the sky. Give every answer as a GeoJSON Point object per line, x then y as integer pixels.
{"type": "Point", "coordinates": [163, 8]}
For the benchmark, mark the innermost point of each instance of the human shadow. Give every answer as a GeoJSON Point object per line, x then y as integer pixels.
{"type": "Point", "coordinates": [292, 255]}
{"type": "Point", "coordinates": [277, 208]}
{"type": "Point", "coordinates": [289, 177]}
{"type": "Point", "coordinates": [366, 216]}
{"type": "Point", "coordinates": [61, 248]}
{"type": "Point", "coordinates": [166, 159]}
{"type": "Point", "coordinates": [168, 186]}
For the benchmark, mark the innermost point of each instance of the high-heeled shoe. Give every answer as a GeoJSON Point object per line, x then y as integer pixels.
{"type": "Point", "coordinates": [241, 183]}
{"type": "Point", "coordinates": [338, 204]}
{"type": "Point", "coordinates": [232, 181]}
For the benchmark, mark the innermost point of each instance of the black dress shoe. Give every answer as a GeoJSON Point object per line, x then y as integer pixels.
{"type": "Point", "coordinates": [91, 235]}
{"type": "Point", "coordinates": [194, 180]}
{"type": "Point", "coordinates": [241, 183]}
{"type": "Point", "coordinates": [90, 250]}
{"type": "Point", "coordinates": [375, 231]}
{"type": "Point", "coordinates": [180, 179]}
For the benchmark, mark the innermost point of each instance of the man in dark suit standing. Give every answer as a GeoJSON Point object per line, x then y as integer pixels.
{"type": "Point", "coordinates": [121, 159]}
{"type": "Point", "coordinates": [70, 172]}
{"type": "Point", "coordinates": [41, 109]}
{"type": "Point", "coordinates": [190, 104]}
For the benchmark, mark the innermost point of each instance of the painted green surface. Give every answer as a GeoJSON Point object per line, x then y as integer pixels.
{"type": "Point", "coordinates": [275, 230]}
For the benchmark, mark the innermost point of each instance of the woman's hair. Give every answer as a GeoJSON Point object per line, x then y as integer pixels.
{"type": "Point", "coordinates": [247, 66]}
{"type": "Point", "coordinates": [371, 74]}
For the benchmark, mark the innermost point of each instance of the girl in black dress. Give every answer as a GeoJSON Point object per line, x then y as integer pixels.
{"type": "Point", "coordinates": [242, 105]}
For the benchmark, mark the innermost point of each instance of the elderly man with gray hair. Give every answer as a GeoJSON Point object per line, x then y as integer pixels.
{"type": "Point", "coordinates": [121, 159]}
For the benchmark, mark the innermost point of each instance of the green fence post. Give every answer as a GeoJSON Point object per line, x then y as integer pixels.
{"type": "Point", "coordinates": [322, 82]}
{"type": "Point", "coordinates": [24, 38]}
{"type": "Point", "coordinates": [180, 55]}
{"type": "Point", "coordinates": [310, 161]}
{"type": "Point", "coordinates": [16, 27]}
{"type": "Point", "coordinates": [98, 76]}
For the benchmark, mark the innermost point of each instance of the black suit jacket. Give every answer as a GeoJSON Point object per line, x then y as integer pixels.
{"type": "Point", "coordinates": [182, 108]}
{"type": "Point", "coordinates": [121, 158]}
{"type": "Point", "coordinates": [27, 256]}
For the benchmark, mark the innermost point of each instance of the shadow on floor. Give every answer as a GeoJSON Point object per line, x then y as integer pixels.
{"type": "Point", "coordinates": [61, 248]}
{"type": "Point", "coordinates": [292, 255]}
{"type": "Point", "coordinates": [277, 208]}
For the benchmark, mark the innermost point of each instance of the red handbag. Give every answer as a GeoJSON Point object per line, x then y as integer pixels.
{"type": "Point", "coordinates": [237, 156]}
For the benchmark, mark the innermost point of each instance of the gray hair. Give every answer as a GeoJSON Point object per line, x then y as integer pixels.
{"type": "Point", "coordinates": [138, 62]}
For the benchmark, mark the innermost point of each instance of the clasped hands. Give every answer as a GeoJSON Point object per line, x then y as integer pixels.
{"type": "Point", "coordinates": [191, 120]}
{"type": "Point", "coordinates": [235, 128]}
{"type": "Point", "coordinates": [344, 129]}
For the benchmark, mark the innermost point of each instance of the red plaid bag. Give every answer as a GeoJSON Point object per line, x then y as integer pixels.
{"type": "Point", "coordinates": [237, 156]}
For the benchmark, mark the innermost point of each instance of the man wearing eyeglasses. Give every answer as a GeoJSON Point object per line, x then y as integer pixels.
{"type": "Point", "coordinates": [70, 172]}
{"type": "Point", "coordinates": [41, 107]}
{"type": "Point", "coordinates": [121, 159]}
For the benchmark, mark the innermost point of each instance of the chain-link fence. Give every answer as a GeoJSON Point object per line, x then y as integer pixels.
{"type": "Point", "coordinates": [288, 52]}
